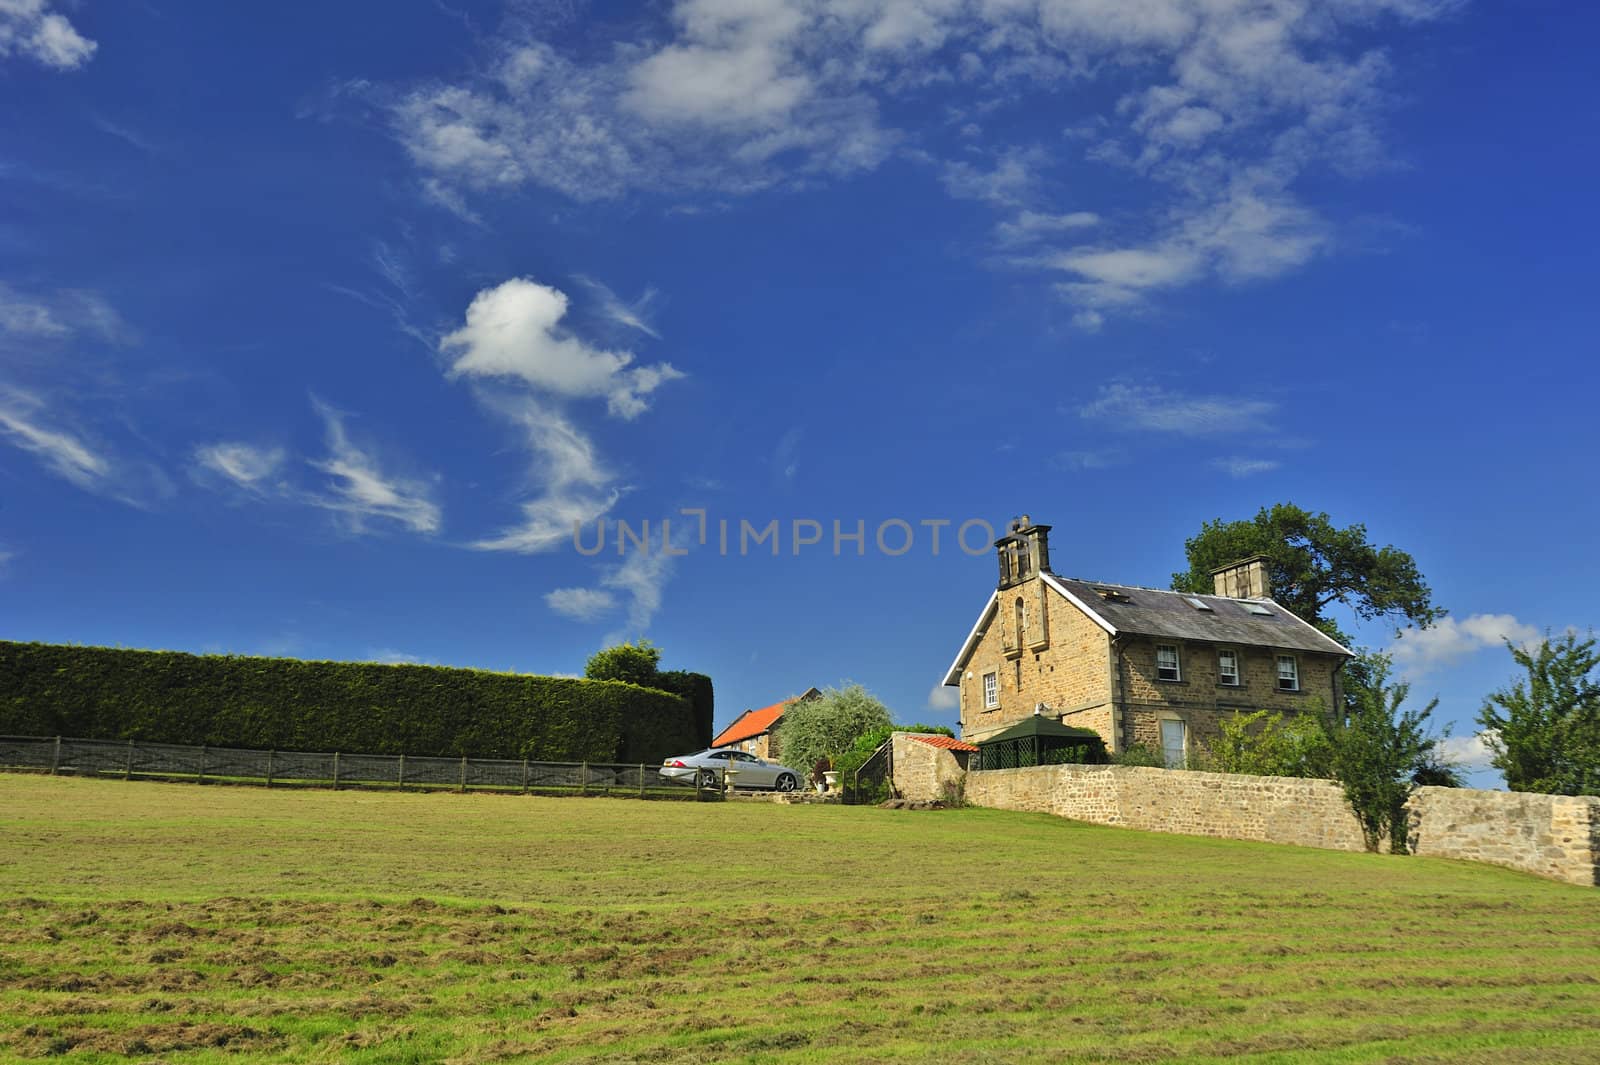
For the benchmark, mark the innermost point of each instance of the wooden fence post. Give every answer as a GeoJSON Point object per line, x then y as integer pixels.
{"type": "Point", "coordinates": [463, 774]}
{"type": "Point", "coordinates": [583, 780]}
{"type": "Point", "coordinates": [524, 776]}
{"type": "Point", "coordinates": [127, 770]}
{"type": "Point", "coordinates": [201, 779]}
{"type": "Point", "coordinates": [641, 780]}
{"type": "Point", "coordinates": [402, 780]}
{"type": "Point", "coordinates": [55, 758]}
{"type": "Point", "coordinates": [335, 770]}
{"type": "Point", "coordinates": [269, 767]}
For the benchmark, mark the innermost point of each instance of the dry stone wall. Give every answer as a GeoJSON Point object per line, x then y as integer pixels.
{"type": "Point", "coordinates": [1310, 813]}
{"type": "Point", "coordinates": [1552, 835]}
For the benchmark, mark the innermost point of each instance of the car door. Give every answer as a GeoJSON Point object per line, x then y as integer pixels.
{"type": "Point", "coordinates": [753, 772]}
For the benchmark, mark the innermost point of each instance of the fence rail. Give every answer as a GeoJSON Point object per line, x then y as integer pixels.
{"type": "Point", "coordinates": [130, 759]}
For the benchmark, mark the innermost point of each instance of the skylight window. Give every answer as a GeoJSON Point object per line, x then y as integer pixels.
{"type": "Point", "coordinates": [1257, 608]}
{"type": "Point", "coordinates": [1198, 604]}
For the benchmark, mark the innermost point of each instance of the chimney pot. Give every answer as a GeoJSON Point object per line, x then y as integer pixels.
{"type": "Point", "coordinates": [1244, 579]}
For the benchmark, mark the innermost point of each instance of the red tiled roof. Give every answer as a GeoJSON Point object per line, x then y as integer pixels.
{"type": "Point", "coordinates": [946, 742]}
{"type": "Point", "coordinates": [751, 723]}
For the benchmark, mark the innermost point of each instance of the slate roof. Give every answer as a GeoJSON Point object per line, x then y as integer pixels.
{"type": "Point", "coordinates": [1157, 612]}
{"type": "Point", "coordinates": [1162, 613]}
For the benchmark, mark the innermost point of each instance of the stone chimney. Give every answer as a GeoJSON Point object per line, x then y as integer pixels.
{"type": "Point", "coordinates": [1244, 579]}
{"type": "Point", "coordinates": [1024, 552]}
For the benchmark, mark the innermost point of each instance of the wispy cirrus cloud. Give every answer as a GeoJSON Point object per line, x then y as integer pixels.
{"type": "Point", "coordinates": [581, 604]}
{"type": "Point", "coordinates": [60, 315]}
{"type": "Point", "coordinates": [1156, 409]}
{"type": "Point", "coordinates": [25, 424]}
{"type": "Point", "coordinates": [243, 465]}
{"type": "Point", "coordinates": [1217, 110]}
{"type": "Point", "coordinates": [30, 28]}
{"type": "Point", "coordinates": [1240, 467]}
{"type": "Point", "coordinates": [360, 490]}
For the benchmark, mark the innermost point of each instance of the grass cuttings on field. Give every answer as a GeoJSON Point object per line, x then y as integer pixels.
{"type": "Point", "coordinates": [184, 924]}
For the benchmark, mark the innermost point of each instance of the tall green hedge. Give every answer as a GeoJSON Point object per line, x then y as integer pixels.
{"type": "Point", "coordinates": [695, 687]}
{"type": "Point", "coordinates": [353, 707]}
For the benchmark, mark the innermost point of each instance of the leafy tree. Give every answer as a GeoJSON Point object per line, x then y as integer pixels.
{"type": "Point", "coordinates": [1380, 753]}
{"type": "Point", "coordinates": [829, 725]}
{"type": "Point", "coordinates": [1545, 730]}
{"type": "Point", "coordinates": [1264, 744]}
{"type": "Point", "coordinates": [636, 663]}
{"type": "Point", "coordinates": [1312, 565]}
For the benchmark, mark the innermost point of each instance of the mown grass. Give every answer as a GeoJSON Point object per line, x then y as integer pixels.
{"type": "Point", "coordinates": [181, 923]}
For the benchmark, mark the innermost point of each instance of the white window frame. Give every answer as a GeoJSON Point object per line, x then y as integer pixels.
{"type": "Point", "coordinates": [1293, 676]}
{"type": "Point", "coordinates": [1222, 674]}
{"type": "Point", "coordinates": [1177, 662]}
{"type": "Point", "coordinates": [991, 691]}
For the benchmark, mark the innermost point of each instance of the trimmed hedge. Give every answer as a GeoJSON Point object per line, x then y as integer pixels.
{"type": "Point", "coordinates": [695, 687]}
{"type": "Point", "coordinates": [351, 707]}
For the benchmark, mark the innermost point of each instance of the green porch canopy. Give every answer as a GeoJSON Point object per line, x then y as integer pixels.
{"type": "Point", "coordinates": [1040, 740]}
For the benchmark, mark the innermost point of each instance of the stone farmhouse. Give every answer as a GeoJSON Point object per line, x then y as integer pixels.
{"type": "Point", "coordinates": [753, 730]}
{"type": "Point", "coordinates": [1136, 665]}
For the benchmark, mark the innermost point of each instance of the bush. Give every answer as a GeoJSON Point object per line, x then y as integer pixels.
{"type": "Point", "coordinates": [1140, 754]}
{"type": "Point", "coordinates": [1263, 744]}
{"type": "Point", "coordinates": [695, 687]}
{"type": "Point", "coordinates": [631, 663]}
{"type": "Point", "coordinates": [353, 707]}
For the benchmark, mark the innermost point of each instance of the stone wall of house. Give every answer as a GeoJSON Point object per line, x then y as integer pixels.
{"type": "Point", "coordinates": [922, 771]}
{"type": "Point", "coordinates": [1310, 813]}
{"type": "Point", "coordinates": [1552, 835]}
{"type": "Point", "coordinates": [1071, 673]}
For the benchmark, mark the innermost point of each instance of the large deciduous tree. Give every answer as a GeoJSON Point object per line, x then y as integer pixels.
{"type": "Point", "coordinates": [1311, 565]}
{"type": "Point", "coordinates": [1544, 730]}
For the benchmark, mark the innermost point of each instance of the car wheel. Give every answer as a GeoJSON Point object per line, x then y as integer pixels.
{"type": "Point", "coordinates": [708, 778]}
{"type": "Point", "coordinates": [786, 782]}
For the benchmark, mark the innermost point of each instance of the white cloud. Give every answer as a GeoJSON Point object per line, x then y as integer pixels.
{"type": "Point", "coordinates": [1151, 408]}
{"type": "Point", "coordinates": [642, 577]}
{"type": "Point", "coordinates": [1009, 183]}
{"type": "Point", "coordinates": [60, 315]}
{"type": "Point", "coordinates": [22, 423]}
{"type": "Point", "coordinates": [361, 491]}
{"type": "Point", "coordinates": [1030, 226]}
{"type": "Point", "coordinates": [631, 315]}
{"type": "Point", "coordinates": [581, 604]}
{"type": "Point", "coordinates": [245, 465]}
{"type": "Point", "coordinates": [1245, 467]}
{"type": "Point", "coordinates": [390, 657]}
{"type": "Point", "coordinates": [1418, 651]}
{"type": "Point", "coordinates": [30, 28]}
{"type": "Point", "coordinates": [1468, 752]}
{"type": "Point", "coordinates": [944, 697]}
{"type": "Point", "coordinates": [514, 331]}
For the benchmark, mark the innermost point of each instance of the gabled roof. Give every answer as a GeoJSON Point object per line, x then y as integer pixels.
{"type": "Point", "coordinates": [755, 722]}
{"type": "Point", "coordinates": [1159, 612]}
{"type": "Point", "coordinates": [946, 742]}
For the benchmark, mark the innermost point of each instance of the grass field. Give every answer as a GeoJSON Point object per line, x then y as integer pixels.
{"type": "Point", "coordinates": [180, 923]}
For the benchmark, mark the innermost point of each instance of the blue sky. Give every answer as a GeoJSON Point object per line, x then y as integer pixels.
{"type": "Point", "coordinates": [319, 326]}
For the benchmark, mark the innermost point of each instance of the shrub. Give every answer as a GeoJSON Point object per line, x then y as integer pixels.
{"type": "Point", "coordinates": [354, 707]}
{"type": "Point", "coordinates": [631, 663]}
{"type": "Point", "coordinates": [1264, 744]}
{"type": "Point", "coordinates": [1140, 754]}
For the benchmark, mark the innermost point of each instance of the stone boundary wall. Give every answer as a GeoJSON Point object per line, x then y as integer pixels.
{"type": "Point", "coordinates": [922, 771]}
{"type": "Point", "coordinates": [1557, 836]}
{"type": "Point", "coordinates": [1309, 813]}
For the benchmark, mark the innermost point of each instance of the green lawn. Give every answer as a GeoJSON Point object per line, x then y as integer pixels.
{"type": "Point", "coordinates": [181, 923]}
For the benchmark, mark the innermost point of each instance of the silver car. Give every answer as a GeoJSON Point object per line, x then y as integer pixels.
{"type": "Point", "coordinates": [706, 768]}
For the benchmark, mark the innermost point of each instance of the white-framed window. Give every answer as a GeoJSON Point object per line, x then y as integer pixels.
{"type": "Point", "coordinates": [1167, 665]}
{"type": "Point", "coordinates": [1228, 668]}
{"type": "Point", "coordinates": [1288, 674]}
{"type": "Point", "coordinates": [991, 690]}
